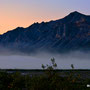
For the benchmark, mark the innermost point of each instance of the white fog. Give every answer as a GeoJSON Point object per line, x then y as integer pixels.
{"type": "Point", "coordinates": [78, 59]}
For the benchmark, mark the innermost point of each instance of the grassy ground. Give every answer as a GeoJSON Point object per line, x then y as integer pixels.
{"type": "Point", "coordinates": [84, 73]}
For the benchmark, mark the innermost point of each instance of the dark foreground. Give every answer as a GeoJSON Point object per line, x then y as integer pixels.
{"type": "Point", "coordinates": [48, 78]}
{"type": "Point", "coordinates": [84, 73]}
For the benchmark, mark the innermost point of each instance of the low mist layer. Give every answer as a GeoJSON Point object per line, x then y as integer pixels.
{"type": "Point", "coordinates": [34, 61]}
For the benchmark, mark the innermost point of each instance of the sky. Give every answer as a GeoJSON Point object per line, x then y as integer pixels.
{"type": "Point", "coordinates": [23, 13]}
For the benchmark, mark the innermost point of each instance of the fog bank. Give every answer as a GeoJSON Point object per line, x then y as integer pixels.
{"type": "Point", "coordinates": [79, 59]}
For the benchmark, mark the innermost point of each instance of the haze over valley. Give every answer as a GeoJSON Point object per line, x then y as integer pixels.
{"type": "Point", "coordinates": [66, 39]}
{"type": "Point", "coordinates": [79, 59]}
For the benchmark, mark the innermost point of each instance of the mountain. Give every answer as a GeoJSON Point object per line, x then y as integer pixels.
{"type": "Point", "coordinates": [69, 33]}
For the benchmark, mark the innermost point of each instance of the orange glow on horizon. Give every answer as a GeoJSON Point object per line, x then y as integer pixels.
{"type": "Point", "coordinates": [11, 22]}
{"type": "Point", "coordinates": [23, 13]}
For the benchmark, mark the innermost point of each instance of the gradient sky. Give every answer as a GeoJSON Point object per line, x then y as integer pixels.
{"type": "Point", "coordinates": [15, 13]}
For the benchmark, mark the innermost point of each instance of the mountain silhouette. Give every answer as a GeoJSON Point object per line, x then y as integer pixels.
{"type": "Point", "coordinates": [69, 33]}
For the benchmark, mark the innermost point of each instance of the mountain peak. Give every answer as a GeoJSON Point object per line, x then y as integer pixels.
{"type": "Point", "coordinates": [75, 13]}
{"type": "Point", "coordinates": [73, 17]}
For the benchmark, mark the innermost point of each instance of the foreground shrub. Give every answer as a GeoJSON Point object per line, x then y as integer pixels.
{"type": "Point", "coordinates": [50, 80]}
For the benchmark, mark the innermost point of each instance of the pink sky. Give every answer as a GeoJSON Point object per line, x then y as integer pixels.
{"type": "Point", "coordinates": [15, 13]}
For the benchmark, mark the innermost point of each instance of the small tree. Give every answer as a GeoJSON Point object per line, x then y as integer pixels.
{"type": "Point", "coordinates": [53, 65]}
{"type": "Point", "coordinates": [50, 69]}
{"type": "Point", "coordinates": [72, 66]}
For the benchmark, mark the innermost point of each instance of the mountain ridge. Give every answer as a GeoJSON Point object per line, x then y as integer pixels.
{"type": "Point", "coordinates": [69, 33]}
